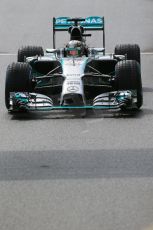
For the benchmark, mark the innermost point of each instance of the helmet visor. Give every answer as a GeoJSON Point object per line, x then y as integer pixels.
{"type": "Point", "coordinates": [74, 51]}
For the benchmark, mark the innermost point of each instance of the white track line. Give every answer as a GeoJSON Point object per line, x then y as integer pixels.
{"type": "Point", "coordinates": [147, 53]}
{"type": "Point", "coordinates": [7, 54]}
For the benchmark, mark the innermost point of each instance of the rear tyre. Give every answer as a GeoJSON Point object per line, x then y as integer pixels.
{"type": "Point", "coordinates": [18, 79]}
{"type": "Point", "coordinates": [29, 51]}
{"type": "Point", "coordinates": [131, 50]}
{"type": "Point", "coordinates": [128, 77]}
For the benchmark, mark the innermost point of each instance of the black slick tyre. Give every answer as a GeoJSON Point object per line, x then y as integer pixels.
{"type": "Point", "coordinates": [18, 79]}
{"type": "Point", "coordinates": [132, 51]}
{"type": "Point", "coordinates": [128, 77]}
{"type": "Point", "coordinates": [29, 51]}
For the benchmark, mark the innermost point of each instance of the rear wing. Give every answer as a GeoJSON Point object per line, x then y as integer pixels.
{"type": "Point", "coordinates": [88, 23]}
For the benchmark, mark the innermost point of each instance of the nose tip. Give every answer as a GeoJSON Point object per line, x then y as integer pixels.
{"type": "Point", "coordinates": [73, 99]}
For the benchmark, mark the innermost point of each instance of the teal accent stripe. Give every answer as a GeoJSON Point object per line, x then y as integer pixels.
{"type": "Point", "coordinates": [73, 107]}
{"type": "Point", "coordinates": [47, 109]}
{"type": "Point", "coordinates": [83, 107]}
{"type": "Point", "coordinates": [85, 27]}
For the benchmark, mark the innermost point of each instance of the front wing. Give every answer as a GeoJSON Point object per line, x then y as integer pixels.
{"type": "Point", "coordinates": [22, 101]}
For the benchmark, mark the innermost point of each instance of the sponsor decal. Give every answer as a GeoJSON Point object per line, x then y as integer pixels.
{"type": "Point", "coordinates": [73, 75]}
{"type": "Point", "coordinates": [72, 89]}
{"type": "Point", "coordinates": [93, 20]}
{"type": "Point", "coordinates": [76, 61]}
{"type": "Point", "coordinates": [62, 21]}
{"type": "Point", "coordinates": [88, 21]}
{"type": "Point", "coordinates": [73, 83]}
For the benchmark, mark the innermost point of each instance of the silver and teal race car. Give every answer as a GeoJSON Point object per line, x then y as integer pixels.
{"type": "Point", "coordinates": [75, 77]}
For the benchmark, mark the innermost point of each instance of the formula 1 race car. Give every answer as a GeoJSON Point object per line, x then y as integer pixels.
{"type": "Point", "coordinates": [76, 76]}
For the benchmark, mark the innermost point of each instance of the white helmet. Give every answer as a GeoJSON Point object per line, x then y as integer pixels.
{"type": "Point", "coordinates": [75, 48]}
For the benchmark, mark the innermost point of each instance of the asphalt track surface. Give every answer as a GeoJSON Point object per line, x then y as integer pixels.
{"type": "Point", "coordinates": [62, 172]}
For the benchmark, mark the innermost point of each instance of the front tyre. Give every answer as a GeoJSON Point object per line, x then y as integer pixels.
{"type": "Point", "coordinates": [29, 51]}
{"type": "Point", "coordinates": [132, 51]}
{"type": "Point", "coordinates": [18, 79]}
{"type": "Point", "coordinates": [128, 77]}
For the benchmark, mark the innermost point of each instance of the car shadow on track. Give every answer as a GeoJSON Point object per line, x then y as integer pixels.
{"type": "Point", "coordinates": [68, 115]}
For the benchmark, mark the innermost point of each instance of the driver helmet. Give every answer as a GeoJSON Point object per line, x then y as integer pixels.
{"type": "Point", "coordinates": [75, 48]}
